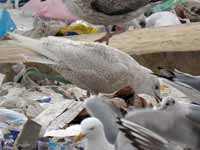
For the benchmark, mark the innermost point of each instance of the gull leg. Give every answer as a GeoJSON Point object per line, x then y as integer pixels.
{"type": "Point", "coordinates": [106, 38]}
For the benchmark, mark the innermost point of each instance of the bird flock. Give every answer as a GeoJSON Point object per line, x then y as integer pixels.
{"type": "Point", "coordinates": [170, 125]}
{"type": "Point", "coordinates": [99, 68]}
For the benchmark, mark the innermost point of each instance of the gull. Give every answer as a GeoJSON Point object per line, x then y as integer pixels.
{"type": "Point", "coordinates": [99, 107]}
{"type": "Point", "coordinates": [175, 121]}
{"type": "Point", "coordinates": [93, 130]}
{"type": "Point", "coordinates": [108, 12]}
{"type": "Point", "coordinates": [95, 67]}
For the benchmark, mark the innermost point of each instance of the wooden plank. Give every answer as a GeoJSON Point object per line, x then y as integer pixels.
{"type": "Point", "coordinates": [177, 38]}
{"type": "Point", "coordinates": [51, 113]}
{"type": "Point", "coordinates": [65, 118]}
{"type": "Point", "coordinates": [27, 139]}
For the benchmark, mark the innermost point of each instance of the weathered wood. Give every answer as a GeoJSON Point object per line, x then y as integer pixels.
{"type": "Point", "coordinates": [27, 139]}
{"type": "Point", "coordinates": [170, 47]}
{"type": "Point", "coordinates": [65, 118]}
{"type": "Point", "coordinates": [2, 77]}
{"type": "Point", "coordinates": [180, 38]}
{"type": "Point", "coordinates": [51, 113]}
{"type": "Point", "coordinates": [58, 115]}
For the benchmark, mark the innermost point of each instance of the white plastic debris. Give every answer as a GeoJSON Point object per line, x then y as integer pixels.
{"type": "Point", "coordinates": [71, 131]}
{"type": "Point", "coordinates": [161, 19]}
{"type": "Point", "coordinates": [11, 118]}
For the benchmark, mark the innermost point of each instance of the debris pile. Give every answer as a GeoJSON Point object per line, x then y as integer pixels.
{"type": "Point", "coordinates": [94, 89]}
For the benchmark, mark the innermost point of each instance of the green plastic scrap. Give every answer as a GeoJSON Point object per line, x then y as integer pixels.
{"type": "Point", "coordinates": [37, 74]}
{"type": "Point", "coordinates": [166, 5]}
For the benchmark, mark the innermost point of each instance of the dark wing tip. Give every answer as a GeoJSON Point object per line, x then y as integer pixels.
{"type": "Point", "coordinates": [140, 137]}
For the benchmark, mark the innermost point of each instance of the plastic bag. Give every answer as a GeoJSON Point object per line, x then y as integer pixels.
{"type": "Point", "coordinates": [6, 23]}
{"type": "Point", "coordinates": [54, 9]}
{"type": "Point", "coordinates": [78, 29]}
{"type": "Point", "coordinates": [11, 118]}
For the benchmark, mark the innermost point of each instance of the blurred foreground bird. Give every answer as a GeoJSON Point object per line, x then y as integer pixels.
{"type": "Point", "coordinates": [99, 107]}
{"type": "Point", "coordinates": [142, 139]}
{"type": "Point", "coordinates": [92, 66]}
{"type": "Point", "coordinates": [174, 121]}
{"type": "Point", "coordinates": [93, 130]}
{"type": "Point", "coordinates": [108, 12]}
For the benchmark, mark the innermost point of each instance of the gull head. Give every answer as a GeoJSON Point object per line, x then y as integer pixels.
{"type": "Point", "coordinates": [150, 85]}
{"type": "Point", "coordinates": [91, 128]}
{"type": "Point", "coordinates": [167, 102]}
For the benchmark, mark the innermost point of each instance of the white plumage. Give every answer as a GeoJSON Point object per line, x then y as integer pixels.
{"type": "Point", "coordinates": [91, 66]}
{"type": "Point", "coordinates": [93, 129]}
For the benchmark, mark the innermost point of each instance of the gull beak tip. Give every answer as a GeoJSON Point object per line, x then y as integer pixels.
{"type": "Point", "coordinates": [79, 137]}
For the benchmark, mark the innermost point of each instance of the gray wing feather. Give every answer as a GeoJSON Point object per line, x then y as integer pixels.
{"type": "Point", "coordinates": [181, 117]}
{"type": "Point", "coordinates": [193, 81]}
{"type": "Point", "coordinates": [92, 63]}
{"type": "Point", "coordinates": [142, 138]}
{"type": "Point", "coordinates": [194, 113]}
{"type": "Point", "coordinates": [191, 93]}
{"type": "Point", "coordinates": [117, 7]}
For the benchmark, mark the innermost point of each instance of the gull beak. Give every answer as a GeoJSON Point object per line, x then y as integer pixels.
{"type": "Point", "coordinates": [79, 137]}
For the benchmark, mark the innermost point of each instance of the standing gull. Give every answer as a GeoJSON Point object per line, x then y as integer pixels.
{"type": "Point", "coordinates": [108, 12]}
{"type": "Point", "coordinates": [91, 66]}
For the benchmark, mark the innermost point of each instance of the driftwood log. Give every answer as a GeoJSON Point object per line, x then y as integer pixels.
{"type": "Point", "coordinates": [170, 47]}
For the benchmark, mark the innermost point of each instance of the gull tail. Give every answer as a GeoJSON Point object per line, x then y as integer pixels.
{"type": "Point", "coordinates": [164, 73]}
{"type": "Point", "coordinates": [41, 54]}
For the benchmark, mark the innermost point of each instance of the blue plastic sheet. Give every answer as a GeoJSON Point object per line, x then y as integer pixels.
{"type": "Point", "coordinates": [6, 23]}
{"type": "Point", "coordinates": [9, 140]}
{"type": "Point", "coordinates": [3, 1]}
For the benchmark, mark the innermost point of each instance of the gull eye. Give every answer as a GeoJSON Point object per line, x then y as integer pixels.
{"type": "Point", "coordinates": [157, 87]}
{"type": "Point", "coordinates": [92, 128]}
{"type": "Point", "coordinates": [167, 104]}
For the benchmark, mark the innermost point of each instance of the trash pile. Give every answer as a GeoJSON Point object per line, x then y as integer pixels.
{"type": "Point", "coordinates": [47, 105]}
{"type": "Point", "coordinates": [35, 98]}
{"type": "Point", "coordinates": [42, 110]}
